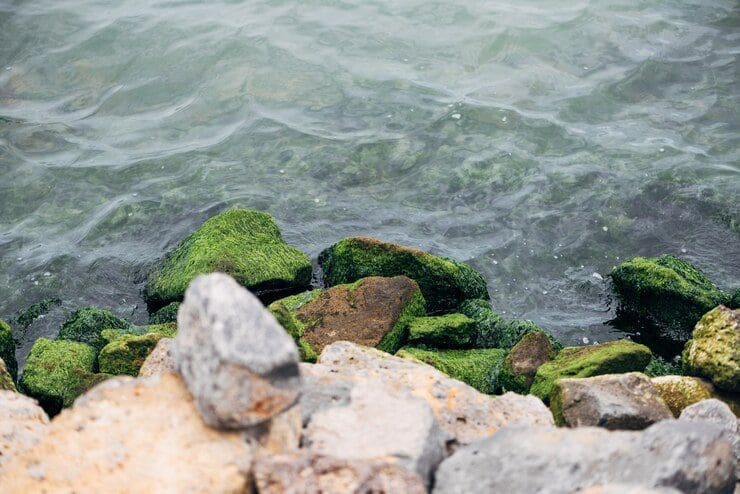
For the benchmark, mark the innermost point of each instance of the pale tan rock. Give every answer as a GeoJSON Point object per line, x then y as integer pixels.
{"type": "Point", "coordinates": [132, 435]}
{"type": "Point", "coordinates": [280, 434]}
{"type": "Point", "coordinates": [22, 423]}
{"type": "Point", "coordinates": [160, 360]}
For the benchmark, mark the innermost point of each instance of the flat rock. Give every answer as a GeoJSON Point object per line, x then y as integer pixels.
{"type": "Point", "coordinates": [132, 435]}
{"type": "Point", "coordinates": [237, 361]}
{"type": "Point", "coordinates": [160, 360]}
{"type": "Point", "coordinates": [613, 401]}
{"type": "Point", "coordinates": [716, 412]}
{"type": "Point", "coordinates": [380, 420]}
{"type": "Point", "coordinates": [714, 349]}
{"type": "Point", "coordinates": [22, 425]}
{"type": "Point", "coordinates": [315, 474]}
{"type": "Point", "coordinates": [694, 458]}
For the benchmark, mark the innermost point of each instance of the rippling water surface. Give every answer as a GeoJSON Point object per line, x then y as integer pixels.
{"type": "Point", "coordinates": [541, 141]}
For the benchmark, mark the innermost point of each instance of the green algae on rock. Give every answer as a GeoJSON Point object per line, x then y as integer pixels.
{"type": "Point", "coordinates": [614, 357]}
{"type": "Point", "coordinates": [660, 367]}
{"type": "Point", "coordinates": [245, 244]}
{"type": "Point", "coordinates": [444, 283]}
{"type": "Point", "coordinates": [7, 349]}
{"type": "Point", "coordinates": [447, 331]}
{"type": "Point", "coordinates": [34, 311]}
{"type": "Point", "coordinates": [57, 371]}
{"type": "Point", "coordinates": [6, 380]}
{"type": "Point", "coordinates": [86, 325]}
{"type": "Point", "coordinates": [477, 367]}
{"type": "Point", "coordinates": [126, 353]}
{"type": "Point", "coordinates": [166, 314]}
{"type": "Point", "coordinates": [664, 297]}
{"type": "Point", "coordinates": [522, 362]}
{"type": "Point", "coordinates": [714, 350]}
{"type": "Point", "coordinates": [678, 392]}
{"type": "Point", "coordinates": [373, 311]}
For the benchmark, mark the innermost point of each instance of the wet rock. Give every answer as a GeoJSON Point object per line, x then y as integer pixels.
{"type": "Point", "coordinates": [613, 401]}
{"type": "Point", "coordinates": [7, 350]}
{"type": "Point", "coordinates": [716, 412]}
{"type": "Point", "coordinates": [307, 473]}
{"type": "Point", "coordinates": [242, 243]}
{"type": "Point", "coordinates": [613, 357]}
{"type": "Point", "coordinates": [660, 367]}
{"type": "Point", "coordinates": [448, 331]}
{"type": "Point", "coordinates": [166, 314]}
{"type": "Point", "coordinates": [381, 419]}
{"type": "Point", "coordinates": [678, 392]}
{"type": "Point", "coordinates": [239, 363]}
{"type": "Point", "coordinates": [86, 326]}
{"type": "Point", "coordinates": [444, 283]}
{"type": "Point", "coordinates": [714, 349]}
{"type": "Point", "coordinates": [6, 380]}
{"type": "Point", "coordinates": [694, 458]}
{"type": "Point", "coordinates": [664, 297]}
{"type": "Point", "coordinates": [132, 435]}
{"type": "Point", "coordinates": [477, 367]}
{"type": "Point", "coordinates": [521, 364]}
{"type": "Point", "coordinates": [373, 311]}
{"type": "Point", "coordinates": [464, 413]}
{"type": "Point", "coordinates": [160, 360]}
{"type": "Point", "coordinates": [23, 423]}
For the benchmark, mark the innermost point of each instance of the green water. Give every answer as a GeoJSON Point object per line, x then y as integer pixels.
{"type": "Point", "coordinates": [541, 141]}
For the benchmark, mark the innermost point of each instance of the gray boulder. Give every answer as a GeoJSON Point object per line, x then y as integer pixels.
{"type": "Point", "coordinates": [612, 401]}
{"type": "Point", "coordinates": [237, 361]}
{"type": "Point", "coordinates": [694, 458]}
{"type": "Point", "coordinates": [716, 412]}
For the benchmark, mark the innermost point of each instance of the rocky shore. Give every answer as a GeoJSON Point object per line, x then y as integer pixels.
{"type": "Point", "coordinates": [385, 371]}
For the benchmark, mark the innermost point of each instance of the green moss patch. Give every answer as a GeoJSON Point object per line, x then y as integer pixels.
{"type": "Point", "coordinates": [126, 353]}
{"type": "Point", "coordinates": [6, 381]}
{"type": "Point", "coordinates": [477, 367]}
{"type": "Point", "coordinates": [7, 349]}
{"type": "Point", "coordinates": [660, 367]}
{"type": "Point", "coordinates": [523, 361]}
{"type": "Point", "coordinates": [242, 243]}
{"type": "Point", "coordinates": [86, 325]}
{"type": "Point", "coordinates": [28, 316]}
{"type": "Point", "coordinates": [714, 350]}
{"type": "Point", "coordinates": [448, 331]}
{"type": "Point", "coordinates": [614, 357]}
{"type": "Point", "coordinates": [444, 283]}
{"type": "Point", "coordinates": [166, 314]}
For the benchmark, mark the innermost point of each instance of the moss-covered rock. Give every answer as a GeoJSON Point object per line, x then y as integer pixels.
{"type": "Point", "coordinates": [444, 283]}
{"type": "Point", "coordinates": [447, 331]}
{"type": "Point", "coordinates": [678, 392]}
{"type": "Point", "coordinates": [34, 311]}
{"type": "Point", "coordinates": [166, 314]}
{"type": "Point", "coordinates": [663, 298]}
{"type": "Point", "coordinates": [6, 381]}
{"type": "Point", "coordinates": [7, 349]}
{"type": "Point", "coordinates": [614, 357]}
{"type": "Point", "coordinates": [126, 353]}
{"type": "Point", "coordinates": [373, 311]}
{"type": "Point", "coordinates": [714, 350]}
{"type": "Point", "coordinates": [660, 367]}
{"type": "Point", "coordinates": [245, 244]}
{"type": "Point", "coordinates": [735, 300]}
{"type": "Point", "coordinates": [522, 362]}
{"type": "Point", "coordinates": [477, 367]}
{"type": "Point", "coordinates": [57, 371]}
{"type": "Point", "coordinates": [86, 325]}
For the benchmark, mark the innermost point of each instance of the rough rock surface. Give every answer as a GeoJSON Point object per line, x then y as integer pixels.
{"type": "Point", "coordinates": [7, 349]}
{"type": "Point", "coordinates": [381, 419]}
{"type": "Point", "coordinates": [464, 413]}
{"type": "Point", "coordinates": [717, 412]}
{"type": "Point", "coordinates": [373, 311]}
{"type": "Point", "coordinates": [281, 434]}
{"type": "Point", "coordinates": [522, 362]}
{"type": "Point", "coordinates": [6, 380]}
{"type": "Point", "coordinates": [22, 423]}
{"type": "Point", "coordinates": [132, 435]}
{"type": "Point", "coordinates": [127, 353]}
{"type": "Point", "coordinates": [694, 458]}
{"type": "Point", "coordinates": [627, 489]}
{"type": "Point", "coordinates": [678, 392]}
{"type": "Point", "coordinates": [239, 363]}
{"type": "Point", "coordinates": [160, 360]}
{"type": "Point", "coordinates": [613, 401]}
{"type": "Point", "coordinates": [714, 349]}
{"type": "Point", "coordinates": [314, 474]}
{"type": "Point", "coordinates": [447, 331]}
{"type": "Point", "coordinates": [87, 324]}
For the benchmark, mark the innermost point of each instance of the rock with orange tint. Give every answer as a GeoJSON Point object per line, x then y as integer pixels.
{"type": "Point", "coordinates": [22, 423]}
{"type": "Point", "coordinates": [160, 360]}
{"type": "Point", "coordinates": [132, 435]}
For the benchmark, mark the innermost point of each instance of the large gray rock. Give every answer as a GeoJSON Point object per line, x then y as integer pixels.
{"type": "Point", "coordinates": [380, 420]}
{"type": "Point", "coordinates": [717, 412]}
{"type": "Point", "coordinates": [22, 423]}
{"type": "Point", "coordinates": [612, 401]}
{"type": "Point", "coordinates": [314, 474]}
{"type": "Point", "coordinates": [463, 412]}
{"type": "Point", "coordinates": [694, 458]}
{"type": "Point", "coordinates": [627, 489]}
{"type": "Point", "coordinates": [239, 363]}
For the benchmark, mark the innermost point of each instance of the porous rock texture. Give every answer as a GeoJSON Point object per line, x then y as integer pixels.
{"type": "Point", "coordinates": [22, 423]}
{"type": "Point", "coordinates": [714, 349]}
{"type": "Point", "coordinates": [678, 392]}
{"type": "Point", "coordinates": [160, 360]}
{"type": "Point", "coordinates": [716, 412]}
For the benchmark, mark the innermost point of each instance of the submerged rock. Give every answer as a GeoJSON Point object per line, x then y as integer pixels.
{"type": "Point", "coordinates": [478, 367]}
{"type": "Point", "coordinates": [23, 423]}
{"type": "Point", "coordinates": [678, 392]}
{"type": "Point", "coordinates": [242, 243]}
{"type": "Point", "coordinates": [160, 360]}
{"type": "Point", "coordinates": [444, 283]}
{"type": "Point", "coordinates": [239, 363]}
{"type": "Point", "coordinates": [664, 297]}
{"type": "Point", "coordinates": [447, 331]}
{"type": "Point", "coordinates": [714, 350]}
{"type": "Point", "coordinates": [86, 325]}
{"type": "Point", "coordinates": [7, 349]}
{"type": "Point", "coordinates": [373, 311]}
{"type": "Point", "coordinates": [613, 357]}
{"type": "Point", "coordinates": [521, 364]}
{"type": "Point", "coordinates": [132, 435]}
{"type": "Point", "coordinates": [6, 380]}
{"type": "Point", "coordinates": [694, 458]}
{"type": "Point", "coordinates": [613, 401]}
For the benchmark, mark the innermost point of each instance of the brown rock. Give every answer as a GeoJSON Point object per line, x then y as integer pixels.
{"type": "Point", "coordinates": [315, 474]}
{"type": "Point", "coordinates": [522, 362]}
{"type": "Point", "coordinates": [22, 423]}
{"type": "Point", "coordinates": [132, 435]}
{"type": "Point", "coordinates": [160, 360]}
